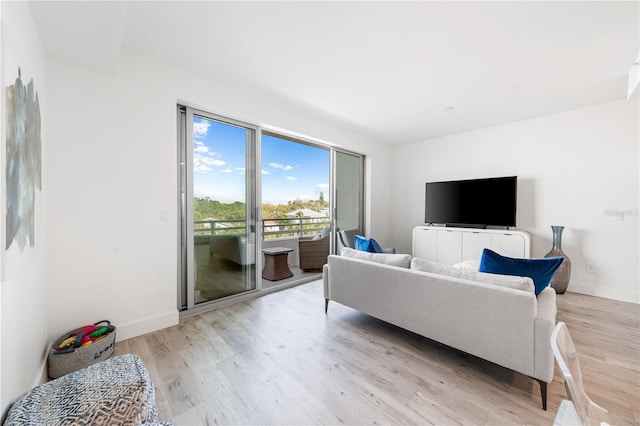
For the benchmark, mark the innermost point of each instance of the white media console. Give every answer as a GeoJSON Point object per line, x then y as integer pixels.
{"type": "Point", "coordinates": [449, 245]}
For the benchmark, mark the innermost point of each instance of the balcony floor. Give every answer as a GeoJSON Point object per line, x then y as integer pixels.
{"type": "Point", "coordinates": [217, 277]}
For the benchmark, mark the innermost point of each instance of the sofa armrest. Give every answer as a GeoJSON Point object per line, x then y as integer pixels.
{"type": "Point", "coordinates": [547, 308]}
{"type": "Point", "coordinates": [325, 280]}
{"type": "Point", "coordinates": [545, 322]}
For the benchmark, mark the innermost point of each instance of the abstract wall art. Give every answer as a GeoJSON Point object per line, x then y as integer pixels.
{"type": "Point", "coordinates": [23, 161]}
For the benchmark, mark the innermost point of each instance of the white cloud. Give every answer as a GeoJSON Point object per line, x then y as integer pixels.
{"type": "Point", "coordinates": [227, 170]}
{"type": "Point", "coordinates": [286, 168]}
{"type": "Point", "coordinates": [200, 148]}
{"type": "Point", "coordinates": [208, 161]}
{"type": "Point", "coordinates": [291, 178]}
{"type": "Point", "coordinates": [323, 186]}
{"type": "Point", "coordinates": [204, 160]}
{"type": "Point", "coordinates": [201, 128]}
{"type": "Point", "coordinates": [265, 172]}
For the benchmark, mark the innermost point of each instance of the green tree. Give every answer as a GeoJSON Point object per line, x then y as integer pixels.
{"type": "Point", "coordinates": [205, 208]}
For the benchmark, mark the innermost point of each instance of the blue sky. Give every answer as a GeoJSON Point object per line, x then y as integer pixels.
{"type": "Point", "coordinates": [289, 170]}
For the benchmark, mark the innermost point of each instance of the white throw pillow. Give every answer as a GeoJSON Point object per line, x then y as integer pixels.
{"type": "Point", "coordinates": [468, 273]}
{"type": "Point", "coordinates": [401, 260]}
{"type": "Point", "coordinates": [469, 265]}
{"type": "Point", "coordinates": [425, 265]}
{"type": "Point", "coordinates": [509, 281]}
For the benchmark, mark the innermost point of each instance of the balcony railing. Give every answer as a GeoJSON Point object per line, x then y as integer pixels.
{"type": "Point", "coordinates": [271, 227]}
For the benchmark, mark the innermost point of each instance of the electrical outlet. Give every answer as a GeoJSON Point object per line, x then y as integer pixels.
{"type": "Point", "coordinates": [164, 216]}
{"type": "Point", "coordinates": [615, 214]}
{"type": "Point", "coordinates": [591, 268]}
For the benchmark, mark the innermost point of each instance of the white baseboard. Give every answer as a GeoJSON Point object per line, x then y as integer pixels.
{"type": "Point", "coordinates": [43, 375]}
{"type": "Point", "coordinates": [592, 290]}
{"type": "Point", "coordinates": [147, 325]}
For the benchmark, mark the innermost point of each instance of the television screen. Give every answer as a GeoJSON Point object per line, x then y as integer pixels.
{"type": "Point", "coordinates": [474, 202]}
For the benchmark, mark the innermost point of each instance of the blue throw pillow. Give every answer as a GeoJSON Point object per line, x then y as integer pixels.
{"type": "Point", "coordinates": [367, 244]}
{"type": "Point", "coordinates": [539, 270]}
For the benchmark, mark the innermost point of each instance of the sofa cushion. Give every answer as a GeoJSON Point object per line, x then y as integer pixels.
{"type": "Point", "coordinates": [470, 265]}
{"type": "Point", "coordinates": [401, 260]}
{"type": "Point", "coordinates": [509, 281]}
{"type": "Point", "coordinates": [425, 265]}
{"type": "Point", "coordinates": [367, 244]}
{"type": "Point", "coordinates": [539, 270]}
{"type": "Point", "coordinates": [467, 272]}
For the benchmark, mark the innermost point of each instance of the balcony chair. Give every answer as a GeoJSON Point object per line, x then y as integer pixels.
{"type": "Point", "coordinates": [346, 238]}
{"type": "Point", "coordinates": [588, 412]}
{"type": "Point", "coordinates": [233, 248]}
{"type": "Point", "coordinates": [313, 251]}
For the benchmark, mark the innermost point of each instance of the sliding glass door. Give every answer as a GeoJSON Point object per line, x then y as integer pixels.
{"type": "Point", "coordinates": [348, 191]}
{"type": "Point", "coordinates": [218, 207]}
{"type": "Point", "coordinates": [227, 167]}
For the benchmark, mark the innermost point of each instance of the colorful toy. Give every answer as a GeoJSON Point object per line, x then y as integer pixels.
{"type": "Point", "coordinates": [88, 330]}
{"type": "Point", "coordinates": [99, 332]}
{"type": "Point", "coordinates": [66, 343]}
{"type": "Point", "coordinates": [87, 336]}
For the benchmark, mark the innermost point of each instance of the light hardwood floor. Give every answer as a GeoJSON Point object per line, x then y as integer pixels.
{"type": "Point", "coordinates": [279, 360]}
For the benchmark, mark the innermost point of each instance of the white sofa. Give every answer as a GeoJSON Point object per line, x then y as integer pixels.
{"type": "Point", "coordinates": [502, 321]}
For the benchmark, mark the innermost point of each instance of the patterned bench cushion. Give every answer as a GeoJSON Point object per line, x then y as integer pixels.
{"type": "Point", "coordinates": [117, 391]}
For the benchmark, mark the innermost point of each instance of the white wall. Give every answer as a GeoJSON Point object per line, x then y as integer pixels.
{"type": "Point", "coordinates": [2, 143]}
{"type": "Point", "coordinates": [24, 289]}
{"type": "Point", "coordinates": [109, 168]}
{"type": "Point", "coordinates": [573, 169]}
{"type": "Point", "coordinates": [113, 168]}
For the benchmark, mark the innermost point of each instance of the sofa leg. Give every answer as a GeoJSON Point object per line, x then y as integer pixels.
{"type": "Point", "coordinates": [326, 305]}
{"type": "Point", "coordinates": [543, 393]}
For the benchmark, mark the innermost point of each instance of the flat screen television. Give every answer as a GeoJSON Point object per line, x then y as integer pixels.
{"type": "Point", "coordinates": [473, 202]}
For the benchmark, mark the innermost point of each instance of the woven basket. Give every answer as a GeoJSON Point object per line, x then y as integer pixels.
{"type": "Point", "coordinates": [65, 362]}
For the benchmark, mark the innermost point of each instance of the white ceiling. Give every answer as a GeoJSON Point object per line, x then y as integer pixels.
{"type": "Point", "coordinates": [396, 71]}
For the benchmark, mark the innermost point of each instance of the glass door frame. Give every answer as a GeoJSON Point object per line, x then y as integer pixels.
{"type": "Point", "coordinates": [186, 293]}
{"type": "Point", "coordinates": [335, 205]}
